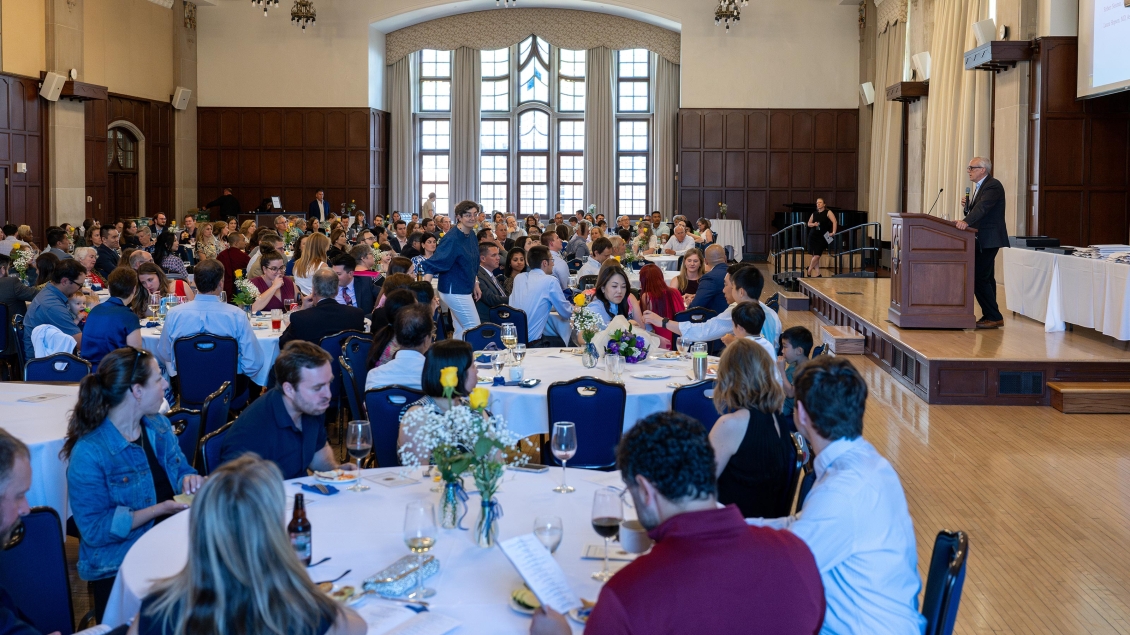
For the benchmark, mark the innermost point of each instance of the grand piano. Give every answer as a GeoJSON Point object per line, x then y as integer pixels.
{"type": "Point", "coordinates": [799, 213]}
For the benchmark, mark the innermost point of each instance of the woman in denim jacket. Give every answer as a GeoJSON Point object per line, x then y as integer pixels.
{"type": "Point", "coordinates": [125, 464]}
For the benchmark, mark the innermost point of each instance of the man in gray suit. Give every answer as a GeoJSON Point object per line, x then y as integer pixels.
{"type": "Point", "coordinates": [58, 243]}
{"type": "Point", "coordinates": [984, 211]}
{"type": "Point", "coordinates": [493, 293]}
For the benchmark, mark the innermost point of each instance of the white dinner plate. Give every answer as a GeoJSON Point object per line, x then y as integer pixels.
{"type": "Point", "coordinates": [518, 608]}
{"type": "Point", "coordinates": [651, 375]}
{"type": "Point", "coordinates": [343, 477]}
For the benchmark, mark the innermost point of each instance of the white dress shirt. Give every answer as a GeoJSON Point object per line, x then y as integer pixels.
{"type": "Point", "coordinates": [560, 269]}
{"type": "Point", "coordinates": [536, 293]}
{"type": "Point", "coordinates": [590, 268]}
{"type": "Point", "coordinates": [772, 350]}
{"type": "Point", "coordinates": [206, 314]}
{"type": "Point", "coordinates": [406, 369]}
{"type": "Point", "coordinates": [680, 247]}
{"type": "Point", "coordinates": [723, 323]}
{"type": "Point", "coordinates": [352, 294]}
{"type": "Point", "coordinates": [321, 210]}
{"type": "Point", "coordinates": [856, 522]}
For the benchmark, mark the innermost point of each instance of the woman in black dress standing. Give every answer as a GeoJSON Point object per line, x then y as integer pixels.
{"type": "Point", "coordinates": [821, 222]}
{"type": "Point", "coordinates": [751, 442]}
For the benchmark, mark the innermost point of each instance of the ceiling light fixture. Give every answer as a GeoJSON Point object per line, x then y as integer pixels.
{"type": "Point", "coordinates": [266, 4]}
{"type": "Point", "coordinates": [506, 3]}
{"type": "Point", "coordinates": [303, 13]}
{"type": "Point", "coordinates": [729, 11]}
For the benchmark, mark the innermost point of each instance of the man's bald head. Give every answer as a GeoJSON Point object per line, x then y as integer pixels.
{"type": "Point", "coordinates": [715, 255]}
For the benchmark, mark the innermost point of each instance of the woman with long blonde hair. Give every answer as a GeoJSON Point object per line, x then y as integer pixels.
{"type": "Point", "coordinates": [242, 575]}
{"type": "Point", "coordinates": [313, 258]}
{"type": "Point", "coordinates": [207, 245]}
{"type": "Point", "coordinates": [690, 272]}
{"type": "Point", "coordinates": [752, 445]}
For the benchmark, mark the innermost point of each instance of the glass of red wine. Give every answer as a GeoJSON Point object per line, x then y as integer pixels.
{"type": "Point", "coordinates": [359, 442]}
{"type": "Point", "coordinates": [607, 512]}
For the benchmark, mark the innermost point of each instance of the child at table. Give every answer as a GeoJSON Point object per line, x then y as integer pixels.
{"type": "Point", "coordinates": [796, 344]}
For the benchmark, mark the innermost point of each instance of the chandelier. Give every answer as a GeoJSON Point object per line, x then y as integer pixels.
{"type": "Point", "coordinates": [506, 3]}
{"type": "Point", "coordinates": [729, 11]}
{"type": "Point", "coordinates": [266, 4]}
{"type": "Point", "coordinates": [303, 13]}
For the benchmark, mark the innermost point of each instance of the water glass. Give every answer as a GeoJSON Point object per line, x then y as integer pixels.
{"type": "Point", "coordinates": [563, 444]}
{"type": "Point", "coordinates": [681, 345]}
{"type": "Point", "coordinates": [549, 531]}
{"type": "Point", "coordinates": [497, 361]}
{"type": "Point", "coordinates": [615, 367]}
{"type": "Point", "coordinates": [519, 353]}
{"type": "Point", "coordinates": [420, 534]}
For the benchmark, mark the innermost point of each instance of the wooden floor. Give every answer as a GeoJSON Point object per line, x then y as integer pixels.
{"type": "Point", "coordinates": [1044, 497]}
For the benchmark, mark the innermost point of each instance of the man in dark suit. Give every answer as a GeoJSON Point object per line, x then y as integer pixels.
{"type": "Point", "coordinates": [493, 294]}
{"type": "Point", "coordinates": [321, 314]}
{"type": "Point", "coordinates": [357, 291]}
{"type": "Point", "coordinates": [712, 285]}
{"type": "Point", "coordinates": [398, 237]}
{"type": "Point", "coordinates": [228, 204]}
{"type": "Point", "coordinates": [984, 211]}
{"type": "Point", "coordinates": [319, 207]}
{"type": "Point", "coordinates": [108, 252]}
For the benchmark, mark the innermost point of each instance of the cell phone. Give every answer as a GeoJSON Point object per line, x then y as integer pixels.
{"type": "Point", "coordinates": [535, 468]}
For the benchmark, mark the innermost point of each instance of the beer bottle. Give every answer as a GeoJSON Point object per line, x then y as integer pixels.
{"type": "Point", "coordinates": [300, 531]}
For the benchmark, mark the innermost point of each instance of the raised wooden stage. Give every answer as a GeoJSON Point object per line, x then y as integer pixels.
{"type": "Point", "coordinates": [1006, 367]}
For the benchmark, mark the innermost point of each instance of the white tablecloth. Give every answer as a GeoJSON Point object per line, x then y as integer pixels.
{"type": "Point", "coordinates": [42, 427]}
{"type": "Point", "coordinates": [268, 343]}
{"type": "Point", "coordinates": [1057, 290]}
{"type": "Point", "coordinates": [729, 232]}
{"type": "Point", "coordinates": [362, 531]}
{"type": "Point", "coordinates": [526, 409]}
{"type": "Point", "coordinates": [667, 263]}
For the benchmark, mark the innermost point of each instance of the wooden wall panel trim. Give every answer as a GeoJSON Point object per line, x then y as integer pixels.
{"type": "Point", "coordinates": [23, 119]}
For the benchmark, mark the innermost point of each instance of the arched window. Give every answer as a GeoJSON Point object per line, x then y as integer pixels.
{"type": "Point", "coordinates": [121, 150]}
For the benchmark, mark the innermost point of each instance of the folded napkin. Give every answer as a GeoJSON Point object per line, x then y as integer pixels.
{"type": "Point", "coordinates": [310, 488]}
{"type": "Point", "coordinates": [620, 323]}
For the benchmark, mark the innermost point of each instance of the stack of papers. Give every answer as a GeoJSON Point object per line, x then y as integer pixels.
{"type": "Point", "coordinates": [1118, 253]}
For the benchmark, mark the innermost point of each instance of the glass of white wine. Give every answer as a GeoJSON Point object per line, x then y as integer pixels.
{"type": "Point", "coordinates": [420, 535]}
{"type": "Point", "coordinates": [549, 530]}
{"type": "Point", "coordinates": [509, 336]}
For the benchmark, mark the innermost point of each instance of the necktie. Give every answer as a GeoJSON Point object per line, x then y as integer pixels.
{"type": "Point", "coordinates": [345, 296]}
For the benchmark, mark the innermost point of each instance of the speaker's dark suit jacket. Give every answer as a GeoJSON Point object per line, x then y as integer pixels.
{"type": "Point", "coordinates": [364, 294]}
{"type": "Point", "coordinates": [985, 213]}
{"type": "Point", "coordinates": [325, 318]}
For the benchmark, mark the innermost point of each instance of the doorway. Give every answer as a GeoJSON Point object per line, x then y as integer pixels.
{"type": "Point", "coordinates": [122, 173]}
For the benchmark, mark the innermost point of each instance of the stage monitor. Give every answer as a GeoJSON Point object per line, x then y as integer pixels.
{"type": "Point", "coordinates": [1104, 60]}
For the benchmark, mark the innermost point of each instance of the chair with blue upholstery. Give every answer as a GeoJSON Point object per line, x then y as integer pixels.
{"type": "Point", "coordinates": [586, 281]}
{"type": "Point", "coordinates": [333, 344]}
{"type": "Point", "coordinates": [575, 264]}
{"type": "Point", "coordinates": [597, 408]}
{"type": "Point", "coordinates": [33, 570]}
{"type": "Point", "coordinates": [17, 333]}
{"type": "Point", "coordinates": [485, 337]}
{"type": "Point", "coordinates": [696, 401]}
{"type": "Point", "coordinates": [774, 302]}
{"type": "Point", "coordinates": [57, 367]}
{"type": "Point", "coordinates": [504, 313]}
{"type": "Point", "coordinates": [944, 582]}
{"type": "Point", "coordinates": [186, 425]}
{"type": "Point", "coordinates": [204, 363]}
{"type": "Point", "coordinates": [210, 447]}
{"type": "Point", "coordinates": [349, 384]}
{"type": "Point", "coordinates": [384, 406]}
{"type": "Point", "coordinates": [697, 315]}
{"type": "Point", "coordinates": [818, 351]}
{"type": "Point", "coordinates": [356, 352]}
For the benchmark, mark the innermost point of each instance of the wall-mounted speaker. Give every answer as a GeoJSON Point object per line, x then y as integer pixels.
{"type": "Point", "coordinates": [867, 90]}
{"type": "Point", "coordinates": [984, 31]}
{"type": "Point", "coordinates": [181, 97]}
{"type": "Point", "coordinates": [921, 62]}
{"type": "Point", "coordinates": [52, 86]}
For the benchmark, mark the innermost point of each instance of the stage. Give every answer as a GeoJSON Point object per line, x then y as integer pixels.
{"type": "Point", "coordinates": [1009, 366]}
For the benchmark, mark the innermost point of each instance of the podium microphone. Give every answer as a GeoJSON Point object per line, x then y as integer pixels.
{"type": "Point", "coordinates": [935, 200]}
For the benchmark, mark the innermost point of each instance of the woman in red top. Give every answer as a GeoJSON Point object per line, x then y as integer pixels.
{"type": "Point", "coordinates": [152, 282]}
{"type": "Point", "coordinates": [234, 259]}
{"type": "Point", "coordinates": [276, 290]}
{"type": "Point", "coordinates": [657, 297]}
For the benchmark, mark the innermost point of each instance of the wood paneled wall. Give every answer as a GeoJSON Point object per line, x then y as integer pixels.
{"type": "Point", "coordinates": [155, 121]}
{"type": "Point", "coordinates": [1079, 154]}
{"type": "Point", "coordinates": [756, 161]}
{"type": "Point", "coordinates": [23, 120]}
{"type": "Point", "coordinates": [291, 152]}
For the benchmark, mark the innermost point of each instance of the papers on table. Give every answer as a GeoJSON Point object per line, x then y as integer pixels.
{"type": "Point", "coordinates": [389, 479]}
{"type": "Point", "coordinates": [596, 552]}
{"type": "Point", "coordinates": [47, 396]}
{"type": "Point", "coordinates": [384, 619]}
{"type": "Point", "coordinates": [541, 573]}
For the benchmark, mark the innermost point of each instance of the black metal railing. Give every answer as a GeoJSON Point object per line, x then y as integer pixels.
{"type": "Point", "coordinates": [786, 249]}
{"type": "Point", "coordinates": [856, 251]}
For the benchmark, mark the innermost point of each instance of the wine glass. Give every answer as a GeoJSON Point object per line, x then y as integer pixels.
{"type": "Point", "coordinates": [519, 353]}
{"type": "Point", "coordinates": [359, 442]}
{"type": "Point", "coordinates": [682, 345]}
{"type": "Point", "coordinates": [509, 335]}
{"type": "Point", "coordinates": [607, 512]}
{"type": "Point", "coordinates": [563, 443]}
{"type": "Point", "coordinates": [497, 361]}
{"type": "Point", "coordinates": [420, 535]}
{"type": "Point", "coordinates": [154, 304]}
{"type": "Point", "coordinates": [549, 530]}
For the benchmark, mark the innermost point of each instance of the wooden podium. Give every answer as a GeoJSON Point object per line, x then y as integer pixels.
{"type": "Point", "coordinates": [931, 273]}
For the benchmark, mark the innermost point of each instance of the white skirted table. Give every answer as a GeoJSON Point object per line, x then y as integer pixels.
{"type": "Point", "coordinates": [42, 425]}
{"type": "Point", "coordinates": [268, 343]}
{"type": "Point", "coordinates": [667, 263]}
{"type": "Point", "coordinates": [729, 232]}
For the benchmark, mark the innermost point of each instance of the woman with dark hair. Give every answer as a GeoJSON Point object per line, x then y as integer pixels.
{"type": "Point", "coordinates": [820, 223]}
{"type": "Point", "coordinates": [129, 236]}
{"type": "Point", "coordinates": [400, 264]}
{"type": "Point", "coordinates": [338, 244]}
{"type": "Point", "coordinates": [613, 296]}
{"type": "Point", "coordinates": [657, 297]}
{"type": "Point", "coordinates": [165, 254]}
{"type": "Point", "coordinates": [532, 221]}
{"type": "Point", "coordinates": [379, 317]}
{"type": "Point", "coordinates": [44, 268]}
{"type": "Point", "coordinates": [705, 236]}
{"type": "Point", "coordinates": [428, 244]}
{"type": "Point", "coordinates": [414, 247]}
{"type": "Point", "coordinates": [297, 254]}
{"type": "Point", "coordinates": [124, 464]}
{"type": "Point", "coordinates": [384, 344]}
{"type": "Point", "coordinates": [514, 265]}
{"type": "Point", "coordinates": [455, 354]}
{"type": "Point", "coordinates": [276, 290]}
{"type": "Point", "coordinates": [153, 283]}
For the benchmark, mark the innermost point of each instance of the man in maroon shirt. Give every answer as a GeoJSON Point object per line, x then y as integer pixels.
{"type": "Point", "coordinates": [709, 572]}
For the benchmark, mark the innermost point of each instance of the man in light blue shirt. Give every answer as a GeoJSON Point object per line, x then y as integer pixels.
{"type": "Point", "coordinates": [207, 314]}
{"type": "Point", "coordinates": [855, 519]}
{"type": "Point", "coordinates": [412, 329]}
{"type": "Point", "coordinates": [537, 292]}
{"type": "Point", "coordinates": [560, 268]}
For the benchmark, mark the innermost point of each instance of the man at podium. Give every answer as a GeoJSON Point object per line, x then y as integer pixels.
{"type": "Point", "coordinates": [984, 211]}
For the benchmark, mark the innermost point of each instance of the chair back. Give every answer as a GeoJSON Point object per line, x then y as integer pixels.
{"type": "Point", "coordinates": [333, 344]}
{"type": "Point", "coordinates": [697, 401]}
{"type": "Point", "coordinates": [575, 264]}
{"type": "Point", "coordinates": [349, 383]}
{"type": "Point", "coordinates": [384, 406]}
{"type": "Point", "coordinates": [944, 581]}
{"type": "Point", "coordinates": [818, 351]}
{"type": "Point", "coordinates": [34, 572]}
{"type": "Point", "coordinates": [18, 334]}
{"type": "Point", "coordinates": [187, 426]}
{"type": "Point", "coordinates": [4, 339]}
{"type": "Point", "coordinates": [807, 480]}
{"type": "Point", "coordinates": [356, 352]}
{"type": "Point", "coordinates": [774, 302]}
{"type": "Point", "coordinates": [484, 336]}
{"type": "Point", "coordinates": [794, 468]}
{"type": "Point", "coordinates": [697, 315]}
{"type": "Point", "coordinates": [586, 280]}
{"type": "Point", "coordinates": [597, 408]}
{"type": "Point", "coordinates": [210, 449]}
{"type": "Point", "coordinates": [504, 313]}
{"type": "Point", "coordinates": [57, 367]}
{"type": "Point", "coordinates": [217, 407]}
{"type": "Point", "coordinates": [204, 363]}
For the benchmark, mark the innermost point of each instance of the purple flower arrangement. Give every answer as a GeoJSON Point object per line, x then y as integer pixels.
{"type": "Point", "coordinates": [632, 347]}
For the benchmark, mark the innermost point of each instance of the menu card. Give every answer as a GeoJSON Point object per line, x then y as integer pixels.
{"type": "Point", "coordinates": [384, 619]}
{"type": "Point", "coordinates": [541, 572]}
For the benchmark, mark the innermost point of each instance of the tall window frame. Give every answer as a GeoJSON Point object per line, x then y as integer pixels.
{"type": "Point", "coordinates": [432, 124]}
{"type": "Point", "coordinates": [635, 75]}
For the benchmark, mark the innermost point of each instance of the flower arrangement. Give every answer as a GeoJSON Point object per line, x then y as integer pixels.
{"type": "Point", "coordinates": [246, 293]}
{"type": "Point", "coordinates": [350, 207]}
{"type": "Point", "coordinates": [22, 257]}
{"type": "Point", "coordinates": [633, 348]}
{"type": "Point", "coordinates": [584, 320]}
{"type": "Point", "coordinates": [722, 208]}
{"type": "Point", "coordinates": [592, 209]}
{"type": "Point", "coordinates": [292, 236]}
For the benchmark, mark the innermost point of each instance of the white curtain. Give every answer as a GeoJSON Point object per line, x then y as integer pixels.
{"type": "Point", "coordinates": [401, 84]}
{"type": "Point", "coordinates": [466, 100]}
{"type": "Point", "coordinates": [662, 172]}
{"type": "Point", "coordinates": [600, 133]}
{"type": "Point", "coordinates": [958, 121]}
{"type": "Point", "coordinates": [885, 188]}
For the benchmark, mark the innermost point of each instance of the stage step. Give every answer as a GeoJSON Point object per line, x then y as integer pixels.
{"type": "Point", "coordinates": [1087, 397]}
{"type": "Point", "coordinates": [794, 301]}
{"type": "Point", "coordinates": [841, 340]}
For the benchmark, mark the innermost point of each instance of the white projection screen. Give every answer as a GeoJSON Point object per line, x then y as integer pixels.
{"type": "Point", "coordinates": [1104, 47]}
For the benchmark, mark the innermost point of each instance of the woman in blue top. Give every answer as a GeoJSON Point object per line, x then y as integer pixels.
{"type": "Point", "coordinates": [456, 261]}
{"type": "Point", "coordinates": [125, 464]}
{"type": "Point", "coordinates": [613, 297]}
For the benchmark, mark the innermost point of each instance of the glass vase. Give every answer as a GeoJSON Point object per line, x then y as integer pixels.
{"type": "Point", "coordinates": [452, 502]}
{"type": "Point", "coordinates": [589, 355]}
{"type": "Point", "coordinates": [486, 529]}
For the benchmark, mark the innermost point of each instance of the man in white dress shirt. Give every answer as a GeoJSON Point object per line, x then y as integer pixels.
{"type": "Point", "coordinates": [536, 292]}
{"type": "Point", "coordinates": [680, 243]}
{"type": "Point", "coordinates": [855, 519]}
{"type": "Point", "coordinates": [560, 268]}
{"type": "Point", "coordinates": [601, 251]}
{"type": "Point", "coordinates": [319, 208]}
{"type": "Point", "coordinates": [412, 328]}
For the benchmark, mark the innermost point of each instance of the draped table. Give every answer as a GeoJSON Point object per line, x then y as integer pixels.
{"type": "Point", "coordinates": [667, 263]}
{"type": "Point", "coordinates": [268, 343]}
{"type": "Point", "coordinates": [42, 426]}
{"type": "Point", "coordinates": [729, 232]}
{"type": "Point", "coordinates": [362, 532]}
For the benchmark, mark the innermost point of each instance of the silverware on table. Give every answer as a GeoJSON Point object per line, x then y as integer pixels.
{"type": "Point", "coordinates": [347, 572]}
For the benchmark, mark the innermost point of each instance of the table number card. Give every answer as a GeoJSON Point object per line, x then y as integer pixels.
{"type": "Point", "coordinates": [541, 572]}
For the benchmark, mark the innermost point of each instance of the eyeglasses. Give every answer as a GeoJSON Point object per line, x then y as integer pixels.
{"type": "Point", "coordinates": [974, 167]}
{"type": "Point", "coordinates": [275, 269]}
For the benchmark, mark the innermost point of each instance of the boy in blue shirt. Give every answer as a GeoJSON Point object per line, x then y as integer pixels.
{"type": "Point", "coordinates": [796, 344]}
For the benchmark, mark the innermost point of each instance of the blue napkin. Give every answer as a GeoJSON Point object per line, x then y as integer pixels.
{"type": "Point", "coordinates": [310, 488]}
{"type": "Point", "coordinates": [150, 324]}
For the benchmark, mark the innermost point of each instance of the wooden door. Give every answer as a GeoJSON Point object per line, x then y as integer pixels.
{"type": "Point", "coordinates": [4, 194]}
{"type": "Point", "coordinates": [122, 173]}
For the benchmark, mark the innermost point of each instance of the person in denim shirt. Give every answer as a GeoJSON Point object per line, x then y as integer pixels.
{"type": "Point", "coordinates": [125, 464]}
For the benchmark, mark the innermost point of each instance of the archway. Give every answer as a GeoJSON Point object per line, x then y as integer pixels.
{"type": "Point", "coordinates": [125, 179]}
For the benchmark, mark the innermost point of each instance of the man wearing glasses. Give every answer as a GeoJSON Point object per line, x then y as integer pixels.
{"type": "Point", "coordinates": [984, 211]}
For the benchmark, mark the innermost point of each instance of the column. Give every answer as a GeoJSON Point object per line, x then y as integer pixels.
{"type": "Point", "coordinates": [1010, 116]}
{"type": "Point", "coordinates": [920, 28]}
{"type": "Point", "coordinates": [66, 120]}
{"type": "Point", "coordinates": [184, 122]}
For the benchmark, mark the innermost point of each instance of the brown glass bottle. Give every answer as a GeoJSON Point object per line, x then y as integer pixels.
{"type": "Point", "coordinates": [300, 531]}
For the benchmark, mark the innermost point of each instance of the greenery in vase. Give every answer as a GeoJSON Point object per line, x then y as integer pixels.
{"type": "Point", "coordinates": [245, 293]}
{"type": "Point", "coordinates": [625, 343]}
{"type": "Point", "coordinates": [584, 320]}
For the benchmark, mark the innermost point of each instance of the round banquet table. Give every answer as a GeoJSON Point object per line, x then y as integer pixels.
{"type": "Point", "coordinates": [362, 532]}
{"type": "Point", "coordinates": [526, 409]}
{"type": "Point", "coordinates": [268, 343]}
{"type": "Point", "coordinates": [42, 426]}
{"type": "Point", "coordinates": [667, 263]}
